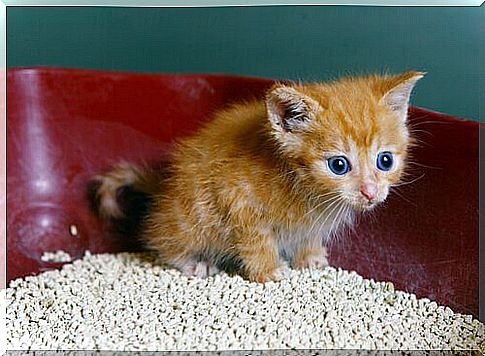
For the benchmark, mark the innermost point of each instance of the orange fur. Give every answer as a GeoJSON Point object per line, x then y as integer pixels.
{"type": "Point", "coordinates": [254, 185]}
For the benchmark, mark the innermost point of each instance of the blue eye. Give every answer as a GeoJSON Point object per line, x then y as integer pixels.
{"type": "Point", "coordinates": [338, 165]}
{"type": "Point", "coordinates": [385, 161]}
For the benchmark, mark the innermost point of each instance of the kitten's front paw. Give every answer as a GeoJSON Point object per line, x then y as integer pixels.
{"type": "Point", "coordinates": [200, 269]}
{"type": "Point", "coordinates": [315, 260]}
{"type": "Point", "coordinates": [276, 275]}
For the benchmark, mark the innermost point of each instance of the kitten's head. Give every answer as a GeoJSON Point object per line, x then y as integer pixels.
{"type": "Point", "coordinates": [346, 139]}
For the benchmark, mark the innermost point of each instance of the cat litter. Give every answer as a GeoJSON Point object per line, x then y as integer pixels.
{"type": "Point", "coordinates": [58, 256]}
{"type": "Point", "coordinates": [127, 302]}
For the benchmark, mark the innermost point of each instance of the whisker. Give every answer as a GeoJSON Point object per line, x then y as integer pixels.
{"type": "Point", "coordinates": [347, 228]}
{"type": "Point", "coordinates": [335, 237]}
{"type": "Point", "coordinates": [396, 191]}
{"type": "Point", "coordinates": [325, 195]}
{"type": "Point", "coordinates": [412, 181]}
{"type": "Point", "coordinates": [423, 165]}
{"type": "Point", "coordinates": [323, 212]}
{"type": "Point", "coordinates": [412, 122]}
{"type": "Point", "coordinates": [320, 204]}
{"type": "Point", "coordinates": [414, 131]}
{"type": "Point", "coordinates": [337, 217]}
{"type": "Point", "coordinates": [416, 140]}
{"type": "Point", "coordinates": [339, 205]}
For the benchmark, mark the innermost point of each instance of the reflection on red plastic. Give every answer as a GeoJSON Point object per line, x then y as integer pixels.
{"type": "Point", "coordinates": [64, 126]}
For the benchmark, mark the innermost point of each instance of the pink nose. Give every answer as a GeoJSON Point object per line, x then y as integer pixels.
{"type": "Point", "coordinates": [369, 191]}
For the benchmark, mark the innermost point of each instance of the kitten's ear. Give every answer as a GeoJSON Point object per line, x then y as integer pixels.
{"type": "Point", "coordinates": [290, 110]}
{"type": "Point", "coordinates": [397, 91]}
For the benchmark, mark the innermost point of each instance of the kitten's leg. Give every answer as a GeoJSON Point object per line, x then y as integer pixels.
{"type": "Point", "coordinates": [260, 257]}
{"type": "Point", "coordinates": [310, 254]}
{"type": "Point", "coordinates": [169, 230]}
{"type": "Point", "coordinates": [201, 269]}
{"type": "Point", "coordinates": [176, 250]}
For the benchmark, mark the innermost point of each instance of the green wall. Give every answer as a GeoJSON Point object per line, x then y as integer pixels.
{"type": "Point", "coordinates": [297, 42]}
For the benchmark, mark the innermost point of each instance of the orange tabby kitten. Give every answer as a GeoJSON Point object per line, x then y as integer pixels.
{"type": "Point", "coordinates": [270, 180]}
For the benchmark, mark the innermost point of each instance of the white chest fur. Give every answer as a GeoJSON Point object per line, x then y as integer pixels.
{"type": "Point", "coordinates": [320, 227]}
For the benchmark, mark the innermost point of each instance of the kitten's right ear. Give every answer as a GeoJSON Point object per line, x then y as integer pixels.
{"type": "Point", "coordinates": [397, 91]}
{"type": "Point", "coordinates": [290, 110]}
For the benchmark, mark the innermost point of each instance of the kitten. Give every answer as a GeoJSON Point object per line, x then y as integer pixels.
{"type": "Point", "coordinates": [271, 180]}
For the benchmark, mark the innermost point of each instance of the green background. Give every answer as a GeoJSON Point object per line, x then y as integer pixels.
{"type": "Point", "coordinates": [296, 42]}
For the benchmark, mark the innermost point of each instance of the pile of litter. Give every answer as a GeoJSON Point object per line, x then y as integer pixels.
{"type": "Point", "coordinates": [58, 256]}
{"type": "Point", "coordinates": [128, 302]}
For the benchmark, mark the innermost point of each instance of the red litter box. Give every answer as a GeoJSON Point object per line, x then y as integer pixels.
{"type": "Point", "coordinates": [64, 126]}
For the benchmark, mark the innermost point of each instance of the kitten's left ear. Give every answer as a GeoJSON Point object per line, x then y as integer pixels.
{"type": "Point", "coordinates": [289, 110]}
{"type": "Point", "coordinates": [397, 91]}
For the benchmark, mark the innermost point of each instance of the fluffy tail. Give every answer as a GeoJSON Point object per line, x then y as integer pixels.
{"type": "Point", "coordinates": [125, 191]}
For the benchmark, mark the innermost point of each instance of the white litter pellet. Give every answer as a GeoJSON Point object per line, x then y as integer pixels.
{"type": "Point", "coordinates": [128, 302]}
{"type": "Point", "coordinates": [57, 256]}
{"type": "Point", "coordinates": [73, 230]}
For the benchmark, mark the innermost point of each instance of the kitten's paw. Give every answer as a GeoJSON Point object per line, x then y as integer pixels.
{"type": "Point", "coordinates": [200, 269]}
{"type": "Point", "coordinates": [276, 275]}
{"type": "Point", "coordinates": [205, 269]}
{"type": "Point", "coordinates": [316, 260]}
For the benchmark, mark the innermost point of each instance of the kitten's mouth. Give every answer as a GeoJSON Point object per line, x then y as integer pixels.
{"type": "Point", "coordinates": [365, 206]}
{"type": "Point", "coordinates": [370, 206]}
